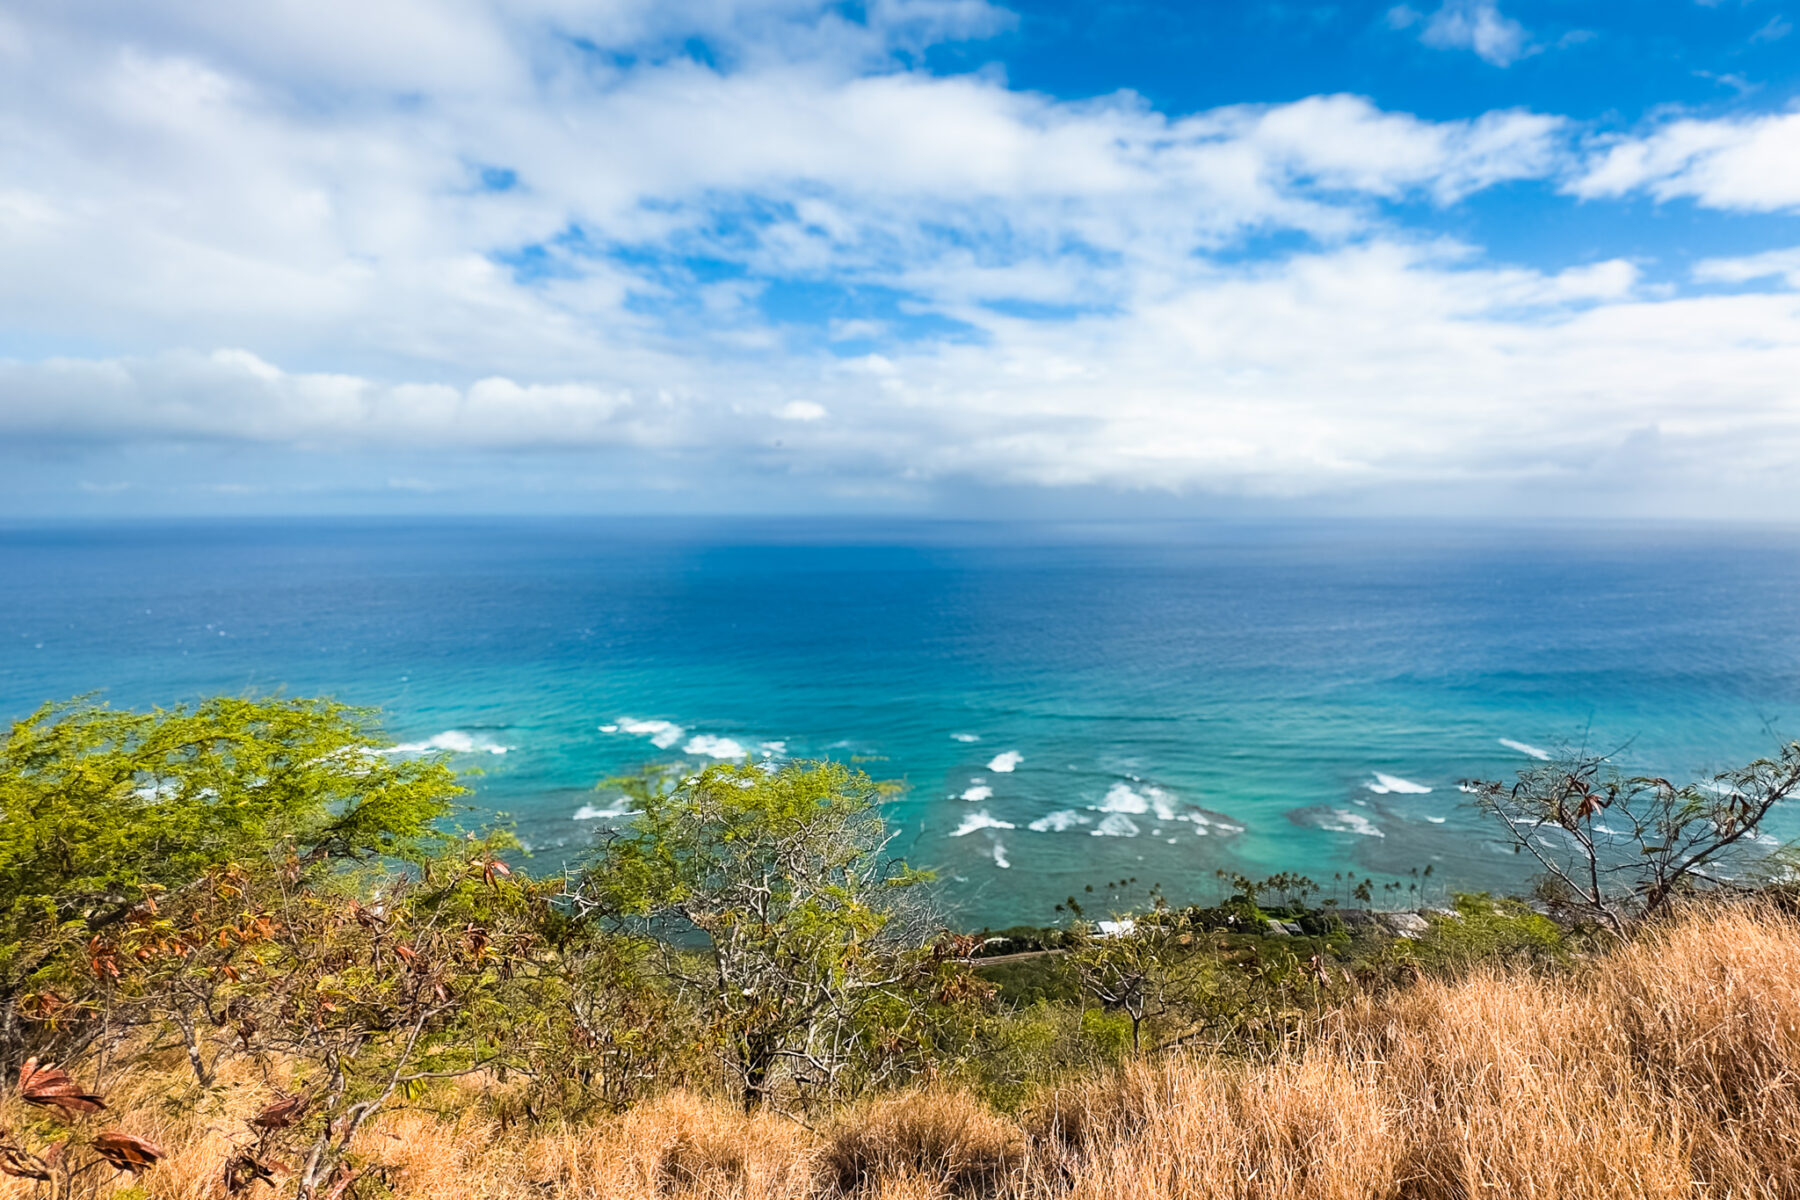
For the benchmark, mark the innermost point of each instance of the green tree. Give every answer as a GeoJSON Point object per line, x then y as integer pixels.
{"type": "Point", "coordinates": [777, 909]}
{"type": "Point", "coordinates": [1127, 963]}
{"type": "Point", "coordinates": [102, 810]}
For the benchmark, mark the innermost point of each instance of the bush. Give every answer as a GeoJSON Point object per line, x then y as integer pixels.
{"type": "Point", "coordinates": [1486, 931]}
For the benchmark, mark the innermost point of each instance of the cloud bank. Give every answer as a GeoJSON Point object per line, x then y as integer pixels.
{"type": "Point", "coordinates": [760, 232]}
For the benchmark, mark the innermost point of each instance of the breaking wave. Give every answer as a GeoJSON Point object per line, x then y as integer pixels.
{"type": "Point", "coordinates": [981, 820]}
{"type": "Point", "coordinates": [1116, 825]}
{"type": "Point", "coordinates": [1342, 820]}
{"type": "Point", "coordinates": [453, 740]}
{"type": "Point", "coordinates": [662, 734]}
{"type": "Point", "coordinates": [618, 808]}
{"type": "Point", "coordinates": [1059, 822]}
{"type": "Point", "coordinates": [715, 747]}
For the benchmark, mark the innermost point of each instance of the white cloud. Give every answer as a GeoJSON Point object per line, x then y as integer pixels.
{"type": "Point", "coordinates": [1380, 365]}
{"type": "Point", "coordinates": [1783, 265]}
{"type": "Point", "coordinates": [1744, 163]}
{"type": "Point", "coordinates": [1476, 25]}
{"type": "Point", "coordinates": [235, 395]}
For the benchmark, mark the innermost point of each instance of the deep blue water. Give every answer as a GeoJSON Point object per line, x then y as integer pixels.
{"type": "Point", "coordinates": [1181, 699]}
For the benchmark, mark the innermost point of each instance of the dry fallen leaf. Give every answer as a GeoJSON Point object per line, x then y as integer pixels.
{"type": "Point", "coordinates": [282, 1113]}
{"type": "Point", "coordinates": [127, 1152]}
{"type": "Point", "coordinates": [48, 1087]}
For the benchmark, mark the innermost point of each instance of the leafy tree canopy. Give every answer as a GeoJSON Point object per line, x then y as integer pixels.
{"type": "Point", "coordinates": [100, 808]}
{"type": "Point", "coordinates": [782, 874]}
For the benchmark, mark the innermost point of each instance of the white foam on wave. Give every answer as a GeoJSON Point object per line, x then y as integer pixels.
{"type": "Point", "coordinates": [1059, 822]}
{"type": "Point", "coordinates": [1000, 859]}
{"type": "Point", "coordinates": [1385, 784]}
{"type": "Point", "coordinates": [976, 793]}
{"type": "Point", "coordinates": [618, 808]}
{"type": "Point", "coordinates": [715, 747]}
{"type": "Point", "coordinates": [981, 820]}
{"type": "Point", "coordinates": [662, 734]}
{"type": "Point", "coordinates": [1342, 820]}
{"type": "Point", "coordinates": [1116, 825]}
{"type": "Point", "coordinates": [1006, 761]}
{"type": "Point", "coordinates": [775, 749]}
{"type": "Point", "coordinates": [1527, 749]}
{"type": "Point", "coordinates": [1122, 798]}
{"type": "Point", "coordinates": [453, 740]}
{"type": "Point", "coordinates": [1435, 820]}
{"type": "Point", "coordinates": [609, 729]}
{"type": "Point", "coordinates": [965, 737]}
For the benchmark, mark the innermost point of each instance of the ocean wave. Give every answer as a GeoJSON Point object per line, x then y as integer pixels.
{"type": "Point", "coordinates": [662, 734]}
{"type": "Point", "coordinates": [609, 729]}
{"type": "Point", "coordinates": [714, 747]}
{"type": "Point", "coordinates": [1116, 825]}
{"type": "Point", "coordinates": [965, 737]}
{"type": "Point", "coordinates": [1000, 859]}
{"type": "Point", "coordinates": [618, 808]}
{"type": "Point", "coordinates": [1384, 784]}
{"type": "Point", "coordinates": [1006, 761]}
{"type": "Point", "coordinates": [1526, 749]}
{"type": "Point", "coordinates": [1122, 798]}
{"type": "Point", "coordinates": [453, 740]}
{"type": "Point", "coordinates": [981, 820]}
{"type": "Point", "coordinates": [976, 793]}
{"type": "Point", "coordinates": [1342, 820]}
{"type": "Point", "coordinates": [1059, 822]}
{"type": "Point", "coordinates": [775, 749]}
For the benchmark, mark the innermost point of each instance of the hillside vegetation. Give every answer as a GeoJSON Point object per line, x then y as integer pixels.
{"type": "Point", "coordinates": [242, 955]}
{"type": "Point", "coordinates": [1667, 1068]}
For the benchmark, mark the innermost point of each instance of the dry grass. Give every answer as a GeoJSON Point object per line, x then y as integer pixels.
{"type": "Point", "coordinates": [1669, 1068]}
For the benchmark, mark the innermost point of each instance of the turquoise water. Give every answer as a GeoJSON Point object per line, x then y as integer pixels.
{"type": "Point", "coordinates": [1171, 700]}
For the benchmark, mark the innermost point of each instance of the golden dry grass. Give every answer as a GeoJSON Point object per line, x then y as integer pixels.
{"type": "Point", "coordinates": [1669, 1068]}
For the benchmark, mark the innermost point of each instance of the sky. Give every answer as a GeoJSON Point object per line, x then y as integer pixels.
{"type": "Point", "coordinates": [1534, 258]}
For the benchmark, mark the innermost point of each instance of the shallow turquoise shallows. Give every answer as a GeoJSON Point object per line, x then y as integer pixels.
{"type": "Point", "coordinates": [1067, 705]}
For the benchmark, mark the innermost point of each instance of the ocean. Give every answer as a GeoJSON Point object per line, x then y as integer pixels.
{"type": "Point", "coordinates": [1066, 704]}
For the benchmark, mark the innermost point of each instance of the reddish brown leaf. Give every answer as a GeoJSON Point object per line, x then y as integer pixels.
{"type": "Point", "coordinates": [342, 1180]}
{"type": "Point", "coordinates": [47, 1087]}
{"type": "Point", "coordinates": [43, 1005]}
{"type": "Point", "coordinates": [282, 1113]}
{"type": "Point", "coordinates": [127, 1152]}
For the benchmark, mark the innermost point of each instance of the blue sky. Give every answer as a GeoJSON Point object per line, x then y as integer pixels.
{"type": "Point", "coordinates": [1472, 257]}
